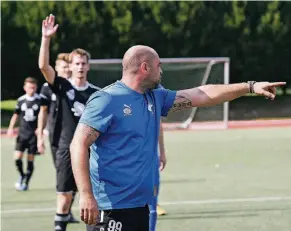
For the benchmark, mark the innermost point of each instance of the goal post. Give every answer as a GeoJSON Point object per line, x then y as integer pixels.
{"type": "Point", "coordinates": [178, 73]}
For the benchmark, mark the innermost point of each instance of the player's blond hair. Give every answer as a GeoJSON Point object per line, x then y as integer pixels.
{"type": "Point", "coordinates": [62, 57]}
{"type": "Point", "coordinates": [80, 52]}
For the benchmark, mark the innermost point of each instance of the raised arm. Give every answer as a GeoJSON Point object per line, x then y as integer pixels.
{"type": "Point", "coordinates": [83, 138]}
{"type": "Point", "coordinates": [210, 95]}
{"type": "Point", "coordinates": [48, 30]}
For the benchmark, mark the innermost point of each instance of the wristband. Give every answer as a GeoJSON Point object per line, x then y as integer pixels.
{"type": "Point", "coordinates": [251, 86]}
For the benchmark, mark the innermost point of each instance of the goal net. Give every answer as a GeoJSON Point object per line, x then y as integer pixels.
{"type": "Point", "coordinates": [178, 73]}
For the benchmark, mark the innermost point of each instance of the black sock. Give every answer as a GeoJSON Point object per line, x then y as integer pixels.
{"type": "Point", "coordinates": [61, 221]}
{"type": "Point", "coordinates": [73, 198]}
{"type": "Point", "coordinates": [19, 166]}
{"type": "Point", "coordinates": [29, 171]}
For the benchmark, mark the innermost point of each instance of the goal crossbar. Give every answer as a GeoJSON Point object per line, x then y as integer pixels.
{"type": "Point", "coordinates": [167, 60]}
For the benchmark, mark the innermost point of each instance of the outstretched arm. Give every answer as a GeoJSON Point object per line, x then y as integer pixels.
{"type": "Point", "coordinates": [84, 137]}
{"type": "Point", "coordinates": [48, 30]}
{"type": "Point", "coordinates": [210, 95]}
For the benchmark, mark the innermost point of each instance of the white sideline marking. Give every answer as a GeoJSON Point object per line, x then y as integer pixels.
{"type": "Point", "coordinates": [32, 210]}
{"type": "Point", "coordinates": [224, 201]}
{"type": "Point", "coordinates": [170, 203]}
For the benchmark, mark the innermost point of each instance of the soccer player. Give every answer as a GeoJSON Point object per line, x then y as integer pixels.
{"type": "Point", "coordinates": [48, 113]}
{"type": "Point", "coordinates": [27, 108]}
{"type": "Point", "coordinates": [49, 105]}
{"type": "Point", "coordinates": [72, 96]}
{"type": "Point", "coordinates": [121, 125]}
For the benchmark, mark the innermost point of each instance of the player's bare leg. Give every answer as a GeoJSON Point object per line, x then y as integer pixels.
{"type": "Point", "coordinates": [19, 165]}
{"type": "Point", "coordinates": [63, 206]}
{"type": "Point", "coordinates": [72, 219]}
{"type": "Point", "coordinates": [63, 202]}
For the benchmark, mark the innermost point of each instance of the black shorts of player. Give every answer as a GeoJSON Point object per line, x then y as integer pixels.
{"type": "Point", "coordinates": [54, 150]}
{"type": "Point", "coordinates": [133, 219]}
{"type": "Point", "coordinates": [29, 143]}
{"type": "Point", "coordinates": [65, 178]}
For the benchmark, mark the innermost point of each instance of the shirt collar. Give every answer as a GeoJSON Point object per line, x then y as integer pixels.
{"type": "Point", "coordinates": [82, 88]}
{"type": "Point", "coordinates": [30, 98]}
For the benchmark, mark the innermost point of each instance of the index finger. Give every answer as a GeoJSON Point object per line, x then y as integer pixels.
{"type": "Point", "coordinates": [276, 84]}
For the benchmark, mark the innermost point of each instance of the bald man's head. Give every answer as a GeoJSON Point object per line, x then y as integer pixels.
{"type": "Point", "coordinates": [142, 65]}
{"type": "Point", "coordinates": [136, 55]}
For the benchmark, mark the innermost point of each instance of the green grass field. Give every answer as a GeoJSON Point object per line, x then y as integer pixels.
{"type": "Point", "coordinates": [235, 180]}
{"type": "Point", "coordinates": [8, 104]}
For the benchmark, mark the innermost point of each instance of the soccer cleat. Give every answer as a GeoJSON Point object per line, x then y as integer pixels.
{"type": "Point", "coordinates": [24, 187]}
{"type": "Point", "coordinates": [18, 184]}
{"type": "Point", "coordinates": [160, 211]}
{"type": "Point", "coordinates": [72, 219]}
{"type": "Point", "coordinates": [58, 227]}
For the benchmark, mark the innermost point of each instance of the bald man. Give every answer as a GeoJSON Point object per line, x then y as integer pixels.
{"type": "Point", "coordinates": [121, 125]}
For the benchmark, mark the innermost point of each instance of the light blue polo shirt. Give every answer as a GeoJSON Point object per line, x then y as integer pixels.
{"type": "Point", "coordinates": [123, 159]}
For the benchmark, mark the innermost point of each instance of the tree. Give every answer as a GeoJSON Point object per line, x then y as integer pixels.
{"type": "Point", "coordinates": [255, 35]}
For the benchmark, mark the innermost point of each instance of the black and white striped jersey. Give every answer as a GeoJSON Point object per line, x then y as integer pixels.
{"type": "Point", "coordinates": [72, 101]}
{"type": "Point", "coordinates": [27, 108]}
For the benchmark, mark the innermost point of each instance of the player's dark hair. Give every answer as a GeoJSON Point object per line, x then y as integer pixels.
{"type": "Point", "coordinates": [30, 80]}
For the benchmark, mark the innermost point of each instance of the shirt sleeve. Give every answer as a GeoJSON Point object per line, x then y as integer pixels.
{"type": "Point", "coordinates": [45, 96]}
{"type": "Point", "coordinates": [17, 109]}
{"type": "Point", "coordinates": [98, 113]}
{"type": "Point", "coordinates": [166, 98]}
{"type": "Point", "coordinates": [60, 84]}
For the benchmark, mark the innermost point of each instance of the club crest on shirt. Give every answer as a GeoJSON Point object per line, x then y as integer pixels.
{"type": "Point", "coordinates": [71, 94]}
{"type": "Point", "coordinates": [35, 107]}
{"type": "Point", "coordinates": [150, 108]}
{"type": "Point", "coordinates": [127, 110]}
{"type": "Point", "coordinates": [53, 97]}
{"type": "Point", "coordinates": [78, 108]}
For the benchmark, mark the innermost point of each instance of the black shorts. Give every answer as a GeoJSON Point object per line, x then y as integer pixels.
{"type": "Point", "coordinates": [29, 143]}
{"type": "Point", "coordinates": [54, 150]}
{"type": "Point", "coordinates": [134, 219]}
{"type": "Point", "coordinates": [65, 178]}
